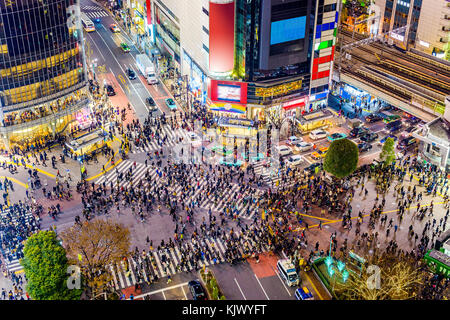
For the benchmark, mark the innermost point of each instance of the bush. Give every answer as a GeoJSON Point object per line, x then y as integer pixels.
{"type": "Point", "coordinates": [341, 158]}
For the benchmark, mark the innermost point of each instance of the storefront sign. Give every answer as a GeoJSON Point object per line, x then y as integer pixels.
{"type": "Point", "coordinates": [235, 122]}
{"type": "Point", "coordinates": [294, 103]}
{"type": "Point", "coordinates": [227, 107]}
{"type": "Point", "coordinates": [279, 90]}
{"type": "Point", "coordinates": [232, 91]}
{"type": "Point", "coordinates": [149, 12]}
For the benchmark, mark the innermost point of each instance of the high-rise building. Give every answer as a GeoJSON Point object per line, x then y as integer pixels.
{"type": "Point", "coordinates": [42, 70]}
{"type": "Point", "coordinates": [429, 24]}
{"type": "Point", "coordinates": [244, 56]}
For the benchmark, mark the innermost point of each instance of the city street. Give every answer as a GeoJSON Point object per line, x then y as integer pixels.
{"type": "Point", "coordinates": [174, 178]}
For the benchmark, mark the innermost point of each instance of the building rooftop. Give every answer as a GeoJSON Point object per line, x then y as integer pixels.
{"type": "Point", "coordinates": [440, 128]}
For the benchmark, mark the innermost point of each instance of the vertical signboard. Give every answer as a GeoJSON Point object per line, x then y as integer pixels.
{"type": "Point", "coordinates": [221, 35]}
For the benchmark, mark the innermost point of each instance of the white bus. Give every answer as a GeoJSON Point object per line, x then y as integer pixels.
{"type": "Point", "coordinates": [87, 23]}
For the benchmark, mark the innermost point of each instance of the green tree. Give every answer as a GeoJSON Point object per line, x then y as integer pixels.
{"type": "Point", "coordinates": [387, 154]}
{"type": "Point", "coordinates": [45, 264]}
{"type": "Point", "coordinates": [341, 158]}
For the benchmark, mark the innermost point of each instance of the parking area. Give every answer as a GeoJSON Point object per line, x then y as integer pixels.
{"type": "Point", "coordinates": [313, 147]}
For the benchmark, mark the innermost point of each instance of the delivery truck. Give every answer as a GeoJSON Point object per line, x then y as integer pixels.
{"type": "Point", "coordinates": [146, 68]}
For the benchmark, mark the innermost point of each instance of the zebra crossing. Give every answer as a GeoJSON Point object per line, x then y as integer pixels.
{"type": "Point", "coordinates": [271, 176]}
{"type": "Point", "coordinates": [90, 7]}
{"type": "Point", "coordinates": [159, 264]}
{"type": "Point", "coordinates": [96, 14]}
{"type": "Point", "coordinates": [173, 138]}
{"type": "Point", "coordinates": [10, 256]}
{"type": "Point", "coordinates": [244, 203]}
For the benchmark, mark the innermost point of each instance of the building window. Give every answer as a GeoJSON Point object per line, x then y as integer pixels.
{"type": "Point", "coordinates": [205, 11]}
{"type": "Point", "coordinates": [206, 48]}
{"type": "Point", "coordinates": [206, 30]}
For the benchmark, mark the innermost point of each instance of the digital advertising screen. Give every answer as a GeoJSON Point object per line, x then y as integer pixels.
{"type": "Point", "coordinates": [228, 92]}
{"type": "Point", "coordinates": [287, 30]}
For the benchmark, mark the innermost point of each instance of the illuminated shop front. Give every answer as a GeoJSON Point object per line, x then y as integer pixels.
{"type": "Point", "coordinates": [320, 119]}
{"type": "Point", "coordinates": [198, 83]}
{"type": "Point", "coordinates": [227, 98]}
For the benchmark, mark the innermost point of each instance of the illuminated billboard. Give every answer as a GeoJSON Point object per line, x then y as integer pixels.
{"type": "Point", "coordinates": [287, 30]}
{"type": "Point", "coordinates": [231, 91]}
{"type": "Point", "coordinates": [227, 92]}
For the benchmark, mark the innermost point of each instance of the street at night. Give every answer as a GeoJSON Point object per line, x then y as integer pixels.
{"type": "Point", "coordinates": [245, 150]}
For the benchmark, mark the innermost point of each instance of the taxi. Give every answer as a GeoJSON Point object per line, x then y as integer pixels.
{"type": "Point", "coordinates": [319, 153]}
{"type": "Point", "coordinates": [114, 28]}
{"type": "Point", "coordinates": [303, 294]}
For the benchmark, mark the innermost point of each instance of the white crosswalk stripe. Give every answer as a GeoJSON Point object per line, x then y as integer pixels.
{"type": "Point", "coordinates": [96, 14]}
{"type": "Point", "coordinates": [173, 138]}
{"type": "Point", "coordinates": [90, 7]}
{"type": "Point", "coordinates": [271, 177]}
{"type": "Point", "coordinates": [213, 253]}
{"type": "Point", "coordinates": [243, 203]}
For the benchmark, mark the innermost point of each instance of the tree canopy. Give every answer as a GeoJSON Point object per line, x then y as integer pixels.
{"type": "Point", "coordinates": [387, 154]}
{"type": "Point", "coordinates": [341, 158]}
{"type": "Point", "coordinates": [94, 246]}
{"type": "Point", "coordinates": [45, 264]}
{"type": "Point", "coordinates": [390, 277]}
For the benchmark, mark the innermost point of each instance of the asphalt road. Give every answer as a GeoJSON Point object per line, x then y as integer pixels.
{"type": "Point", "coordinates": [104, 45]}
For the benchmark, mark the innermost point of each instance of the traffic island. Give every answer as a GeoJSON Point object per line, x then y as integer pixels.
{"type": "Point", "coordinates": [331, 272]}
{"type": "Point", "coordinates": [210, 282]}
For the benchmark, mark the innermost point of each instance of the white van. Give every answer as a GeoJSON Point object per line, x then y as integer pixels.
{"type": "Point", "coordinates": [284, 150]}
{"type": "Point", "coordinates": [287, 272]}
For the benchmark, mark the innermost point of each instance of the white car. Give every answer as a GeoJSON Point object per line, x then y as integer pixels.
{"type": "Point", "coordinates": [318, 134]}
{"type": "Point", "coordinates": [294, 160]}
{"type": "Point", "coordinates": [303, 146]}
{"type": "Point", "coordinates": [293, 140]}
{"type": "Point", "coordinates": [284, 150]}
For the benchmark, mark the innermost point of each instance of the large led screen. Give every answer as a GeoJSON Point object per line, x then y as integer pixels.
{"type": "Point", "coordinates": [228, 92]}
{"type": "Point", "coordinates": [287, 30]}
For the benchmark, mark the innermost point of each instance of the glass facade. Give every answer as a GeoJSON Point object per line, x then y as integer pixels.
{"type": "Point", "coordinates": [41, 60]}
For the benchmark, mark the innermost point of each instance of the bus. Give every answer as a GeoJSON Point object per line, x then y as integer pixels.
{"type": "Point", "coordinates": [87, 23]}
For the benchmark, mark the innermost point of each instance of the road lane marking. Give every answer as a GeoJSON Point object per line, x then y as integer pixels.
{"type": "Point", "coordinates": [282, 282]}
{"type": "Point", "coordinates": [164, 295]}
{"type": "Point", "coordinates": [184, 292]}
{"type": "Point", "coordinates": [262, 287]}
{"type": "Point", "coordinates": [314, 287]}
{"type": "Point", "coordinates": [240, 289]}
{"type": "Point", "coordinates": [137, 94]}
{"type": "Point", "coordinates": [162, 290]}
{"type": "Point", "coordinates": [92, 39]}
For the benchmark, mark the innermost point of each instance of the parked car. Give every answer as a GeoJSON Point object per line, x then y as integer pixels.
{"type": "Point", "coordinates": [110, 90]}
{"type": "Point", "coordinates": [284, 150]}
{"type": "Point", "coordinates": [303, 294]}
{"type": "Point", "coordinates": [406, 143]}
{"type": "Point", "coordinates": [316, 155]}
{"type": "Point", "coordinates": [197, 291]}
{"type": "Point", "coordinates": [369, 137]}
{"type": "Point", "coordinates": [114, 28]}
{"type": "Point", "coordinates": [396, 123]}
{"type": "Point", "coordinates": [312, 167]}
{"type": "Point", "coordinates": [294, 160]}
{"type": "Point", "coordinates": [394, 129]}
{"type": "Point", "coordinates": [171, 104]}
{"type": "Point", "coordinates": [131, 74]}
{"type": "Point", "coordinates": [373, 117]}
{"type": "Point", "coordinates": [318, 134]}
{"type": "Point", "coordinates": [364, 146]}
{"type": "Point", "coordinates": [392, 118]}
{"type": "Point", "coordinates": [408, 131]}
{"type": "Point", "coordinates": [303, 146]}
{"type": "Point", "coordinates": [388, 136]}
{"type": "Point", "coordinates": [292, 140]}
{"type": "Point", "coordinates": [125, 48]}
{"type": "Point", "coordinates": [358, 131]}
{"type": "Point", "coordinates": [413, 120]}
{"type": "Point", "coordinates": [336, 136]}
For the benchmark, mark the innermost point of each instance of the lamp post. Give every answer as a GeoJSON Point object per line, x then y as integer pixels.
{"type": "Point", "coordinates": [94, 65]}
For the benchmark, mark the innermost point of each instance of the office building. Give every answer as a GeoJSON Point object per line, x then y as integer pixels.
{"type": "Point", "coordinates": [42, 70]}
